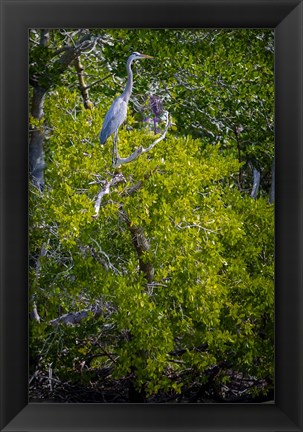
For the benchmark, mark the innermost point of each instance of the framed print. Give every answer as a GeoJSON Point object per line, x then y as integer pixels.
{"type": "Point", "coordinates": [146, 212]}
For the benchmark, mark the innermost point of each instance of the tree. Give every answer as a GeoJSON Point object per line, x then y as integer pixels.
{"type": "Point", "coordinates": [46, 65]}
{"type": "Point", "coordinates": [170, 282]}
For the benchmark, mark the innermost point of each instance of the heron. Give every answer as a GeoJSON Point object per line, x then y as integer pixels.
{"type": "Point", "coordinates": [116, 114]}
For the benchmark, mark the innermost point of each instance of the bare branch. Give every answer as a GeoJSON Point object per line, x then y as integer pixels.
{"type": "Point", "coordinates": [98, 81]}
{"type": "Point", "coordinates": [118, 161]}
{"type": "Point", "coordinates": [72, 318]}
{"type": "Point", "coordinates": [73, 52]}
{"type": "Point", "coordinates": [34, 314]}
{"type": "Point", "coordinates": [109, 355]}
{"type": "Point", "coordinates": [118, 178]}
{"type": "Point", "coordinates": [109, 264]}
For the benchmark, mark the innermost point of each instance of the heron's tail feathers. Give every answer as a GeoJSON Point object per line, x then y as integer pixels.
{"type": "Point", "coordinates": [103, 138]}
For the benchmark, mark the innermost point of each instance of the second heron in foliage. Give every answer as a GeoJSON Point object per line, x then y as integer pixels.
{"type": "Point", "coordinates": [116, 115]}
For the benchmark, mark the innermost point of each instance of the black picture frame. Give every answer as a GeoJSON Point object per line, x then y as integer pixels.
{"type": "Point", "coordinates": [286, 17]}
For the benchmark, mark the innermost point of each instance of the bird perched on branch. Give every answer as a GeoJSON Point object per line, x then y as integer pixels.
{"type": "Point", "coordinates": [116, 115]}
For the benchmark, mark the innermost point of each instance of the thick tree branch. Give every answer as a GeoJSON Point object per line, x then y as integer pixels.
{"type": "Point", "coordinates": [141, 245]}
{"type": "Point", "coordinates": [118, 178]}
{"type": "Point", "coordinates": [36, 155]}
{"type": "Point", "coordinates": [99, 308]}
{"type": "Point", "coordinates": [83, 87]}
{"type": "Point", "coordinates": [73, 318]}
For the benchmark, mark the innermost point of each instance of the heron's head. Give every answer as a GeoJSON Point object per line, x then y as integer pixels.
{"type": "Point", "coordinates": [136, 55]}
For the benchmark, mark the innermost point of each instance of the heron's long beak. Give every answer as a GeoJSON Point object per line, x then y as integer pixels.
{"type": "Point", "coordinates": [146, 56]}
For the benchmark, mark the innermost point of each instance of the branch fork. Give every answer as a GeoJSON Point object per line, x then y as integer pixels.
{"type": "Point", "coordinates": [117, 178]}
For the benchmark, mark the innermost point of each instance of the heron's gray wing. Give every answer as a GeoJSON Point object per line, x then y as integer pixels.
{"type": "Point", "coordinates": [115, 116]}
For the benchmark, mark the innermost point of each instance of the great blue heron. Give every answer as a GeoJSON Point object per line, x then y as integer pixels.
{"type": "Point", "coordinates": [116, 115]}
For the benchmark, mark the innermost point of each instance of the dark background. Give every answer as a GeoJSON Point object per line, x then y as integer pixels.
{"type": "Point", "coordinates": [16, 17]}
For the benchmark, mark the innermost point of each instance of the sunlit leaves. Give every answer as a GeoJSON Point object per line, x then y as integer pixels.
{"type": "Point", "coordinates": [211, 245]}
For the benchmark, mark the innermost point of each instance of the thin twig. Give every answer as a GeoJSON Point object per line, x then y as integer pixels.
{"type": "Point", "coordinates": [110, 265]}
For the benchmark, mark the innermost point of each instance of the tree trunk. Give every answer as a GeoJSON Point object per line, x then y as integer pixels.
{"type": "Point", "coordinates": [256, 184]}
{"type": "Point", "coordinates": [36, 154]}
{"type": "Point", "coordinates": [142, 246]}
{"type": "Point", "coordinates": [134, 395]}
{"type": "Point", "coordinates": [41, 83]}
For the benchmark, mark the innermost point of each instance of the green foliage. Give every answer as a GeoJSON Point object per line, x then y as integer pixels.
{"type": "Point", "coordinates": [211, 245]}
{"type": "Point", "coordinates": [212, 82]}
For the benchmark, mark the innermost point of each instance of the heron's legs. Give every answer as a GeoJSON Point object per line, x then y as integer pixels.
{"type": "Point", "coordinates": [115, 148]}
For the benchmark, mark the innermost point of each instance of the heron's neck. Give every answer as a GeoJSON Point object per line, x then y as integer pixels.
{"type": "Point", "coordinates": [129, 85]}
